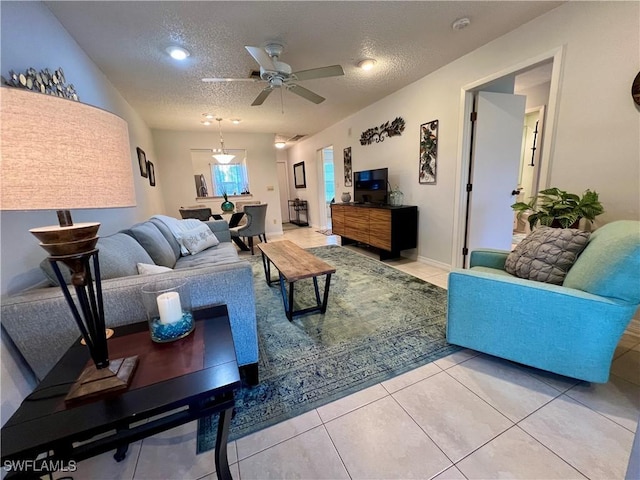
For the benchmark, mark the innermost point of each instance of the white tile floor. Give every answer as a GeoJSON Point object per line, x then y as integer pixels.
{"type": "Point", "coordinates": [465, 416]}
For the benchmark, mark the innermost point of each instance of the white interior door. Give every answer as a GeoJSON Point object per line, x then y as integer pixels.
{"type": "Point", "coordinates": [497, 144]}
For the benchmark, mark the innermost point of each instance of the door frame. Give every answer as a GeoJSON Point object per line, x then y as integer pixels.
{"type": "Point", "coordinates": [467, 93]}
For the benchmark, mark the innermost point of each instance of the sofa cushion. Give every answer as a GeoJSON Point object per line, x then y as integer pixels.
{"type": "Point", "coordinates": [222, 254]}
{"type": "Point", "coordinates": [175, 246]}
{"type": "Point", "coordinates": [546, 254]}
{"type": "Point", "coordinates": [198, 239]}
{"type": "Point", "coordinates": [610, 264]}
{"type": "Point", "coordinates": [153, 241]}
{"type": "Point", "coordinates": [118, 255]}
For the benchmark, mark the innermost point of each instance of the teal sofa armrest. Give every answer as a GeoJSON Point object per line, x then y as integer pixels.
{"type": "Point", "coordinates": [221, 229]}
{"type": "Point", "coordinates": [486, 257]}
{"type": "Point", "coordinates": [550, 327]}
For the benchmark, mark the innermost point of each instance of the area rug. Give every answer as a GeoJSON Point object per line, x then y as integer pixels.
{"type": "Point", "coordinates": [380, 322]}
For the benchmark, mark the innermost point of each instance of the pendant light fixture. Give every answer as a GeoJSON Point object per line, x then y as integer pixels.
{"type": "Point", "coordinates": [222, 157]}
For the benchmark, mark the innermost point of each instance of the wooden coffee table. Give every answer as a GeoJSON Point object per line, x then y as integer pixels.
{"type": "Point", "coordinates": [293, 264]}
{"type": "Point", "coordinates": [185, 380]}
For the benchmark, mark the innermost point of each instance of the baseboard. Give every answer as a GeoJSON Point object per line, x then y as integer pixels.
{"type": "Point", "coordinates": [434, 263]}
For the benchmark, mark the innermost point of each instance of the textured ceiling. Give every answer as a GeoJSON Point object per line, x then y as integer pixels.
{"type": "Point", "coordinates": [409, 40]}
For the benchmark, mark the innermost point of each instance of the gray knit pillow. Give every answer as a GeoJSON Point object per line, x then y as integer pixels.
{"type": "Point", "coordinates": [547, 254]}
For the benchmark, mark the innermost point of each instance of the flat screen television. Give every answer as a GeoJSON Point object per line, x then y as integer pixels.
{"type": "Point", "coordinates": [370, 186]}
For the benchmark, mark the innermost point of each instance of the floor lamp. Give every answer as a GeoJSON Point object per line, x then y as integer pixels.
{"type": "Point", "coordinates": [60, 154]}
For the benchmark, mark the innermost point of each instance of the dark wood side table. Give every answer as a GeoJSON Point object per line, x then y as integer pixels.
{"type": "Point", "coordinates": [187, 379]}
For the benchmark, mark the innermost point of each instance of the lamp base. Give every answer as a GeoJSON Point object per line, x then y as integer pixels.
{"type": "Point", "coordinates": [94, 382]}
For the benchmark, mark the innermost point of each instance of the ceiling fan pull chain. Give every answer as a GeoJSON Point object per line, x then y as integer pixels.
{"type": "Point", "coordinates": [282, 100]}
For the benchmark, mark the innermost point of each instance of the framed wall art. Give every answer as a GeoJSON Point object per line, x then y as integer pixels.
{"type": "Point", "coordinates": [299, 179]}
{"type": "Point", "coordinates": [348, 173]}
{"type": "Point", "coordinates": [152, 174]}
{"type": "Point", "coordinates": [142, 162]}
{"type": "Point", "coordinates": [428, 166]}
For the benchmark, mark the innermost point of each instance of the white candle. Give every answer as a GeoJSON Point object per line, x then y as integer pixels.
{"type": "Point", "coordinates": [169, 307]}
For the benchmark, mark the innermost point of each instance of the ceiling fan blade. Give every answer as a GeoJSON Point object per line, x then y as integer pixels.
{"type": "Point", "coordinates": [322, 72]}
{"type": "Point", "coordinates": [262, 96]}
{"type": "Point", "coordinates": [306, 94]}
{"type": "Point", "coordinates": [222, 80]}
{"type": "Point", "coordinates": [263, 59]}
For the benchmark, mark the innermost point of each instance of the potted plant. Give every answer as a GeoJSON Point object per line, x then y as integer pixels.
{"type": "Point", "coordinates": [556, 208]}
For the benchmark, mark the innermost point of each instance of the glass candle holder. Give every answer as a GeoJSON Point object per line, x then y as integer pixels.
{"type": "Point", "coordinates": [168, 306]}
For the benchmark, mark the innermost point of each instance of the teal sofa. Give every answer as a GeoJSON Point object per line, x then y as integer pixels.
{"type": "Point", "coordinates": [570, 329]}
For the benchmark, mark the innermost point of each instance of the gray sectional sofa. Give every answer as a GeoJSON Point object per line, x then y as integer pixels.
{"type": "Point", "coordinates": [40, 324]}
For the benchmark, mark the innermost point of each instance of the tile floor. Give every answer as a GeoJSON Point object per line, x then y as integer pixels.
{"type": "Point", "coordinates": [468, 415]}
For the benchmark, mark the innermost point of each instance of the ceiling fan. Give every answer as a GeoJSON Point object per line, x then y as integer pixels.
{"type": "Point", "coordinates": [278, 74]}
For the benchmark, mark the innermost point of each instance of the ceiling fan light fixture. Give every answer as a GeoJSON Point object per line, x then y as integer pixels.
{"type": "Point", "coordinates": [235, 121]}
{"type": "Point", "coordinates": [206, 123]}
{"type": "Point", "coordinates": [177, 53]}
{"type": "Point", "coordinates": [367, 64]}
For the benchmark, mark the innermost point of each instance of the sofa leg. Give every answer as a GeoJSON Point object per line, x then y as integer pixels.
{"type": "Point", "coordinates": [249, 374]}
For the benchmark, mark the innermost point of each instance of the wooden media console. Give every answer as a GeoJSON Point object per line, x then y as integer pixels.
{"type": "Point", "coordinates": [390, 229]}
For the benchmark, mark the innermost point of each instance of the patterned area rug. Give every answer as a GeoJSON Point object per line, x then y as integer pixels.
{"type": "Point", "coordinates": [380, 322]}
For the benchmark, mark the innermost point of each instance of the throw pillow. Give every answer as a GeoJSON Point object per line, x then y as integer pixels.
{"type": "Point", "coordinates": [150, 269]}
{"type": "Point", "coordinates": [547, 254]}
{"type": "Point", "coordinates": [153, 241]}
{"type": "Point", "coordinates": [118, 255]}
{"type": "Point", "coordinates": [198, 239]}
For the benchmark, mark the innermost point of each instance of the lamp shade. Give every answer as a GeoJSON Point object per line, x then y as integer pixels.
{"type": "Point", "coordinates": [223, 157]}
{"type": "Point", "coordinates": [59, 154]}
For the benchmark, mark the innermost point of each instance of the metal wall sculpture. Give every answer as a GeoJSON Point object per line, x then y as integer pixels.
{"type": "Point", "coordinates": [44, 81]}
{"type": "Point", "coordinates": [378, 134]}
{"type": "Point", "coordinates": [428, 152]}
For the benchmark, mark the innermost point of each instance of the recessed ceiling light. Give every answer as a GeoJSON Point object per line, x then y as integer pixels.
{"type": "Point", "coordinates": [461, 23]}
{"type": "Point", "coordinates": [235, 121]}
{"type": "Point", "coordinates": [177, 53]}
{"type": "Point", "coordinates": [209, 116]}
{"type": "Point", "coordinates": [206, 122]}
{"type": "Point", "coordinates": [367, 64]}
{"type": "Point", "coordinates": [280, 144]}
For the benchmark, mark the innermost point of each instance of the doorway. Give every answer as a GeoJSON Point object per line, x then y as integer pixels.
{"type": "Point", "coordinates": [529, 171]}
{"type": "Point", "coordinates": [283, 188]}
{"type": "Point", "coordinates": [326, 192]}
{"type": "Point", "coordinates": [478, 224]}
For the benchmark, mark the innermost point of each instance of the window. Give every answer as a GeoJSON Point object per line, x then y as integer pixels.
{"type": "Point", "coordinates": [212, 179]}
{"type": "Point", "coordinates": [230, 179]}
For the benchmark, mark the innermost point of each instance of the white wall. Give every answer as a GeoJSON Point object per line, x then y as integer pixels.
{"type": "Point", "coordinates": [597, 137]}
{"type": "Point", "coordinates": [32, 37]}
{"type": "Point", "coordinates": [537, 96]}
{"type": "Point", "coordinates": [174, 157]}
